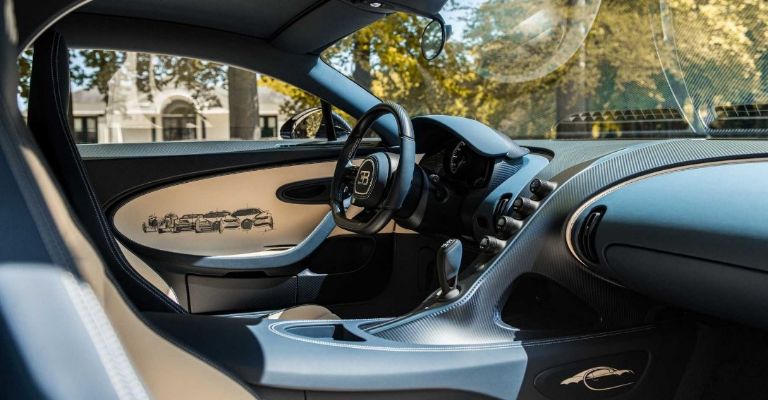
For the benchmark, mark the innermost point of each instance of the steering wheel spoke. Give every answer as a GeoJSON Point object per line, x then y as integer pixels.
{"type": "Point", "coordinates": [365, 215]}
{"type": "Point", "coordinates": [350, 172]}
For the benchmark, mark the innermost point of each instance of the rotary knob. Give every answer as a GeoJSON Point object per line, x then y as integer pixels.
{"type": "Point", "coordinates": [506, 226]}
{"type": "Point", "coordinates": [490, 244]}
{"type": "Point", "coordinates": [541, 188]}
{"type": "Point", "coordinates": [524, 206]}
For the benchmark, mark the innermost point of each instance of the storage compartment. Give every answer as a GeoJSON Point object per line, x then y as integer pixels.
{"type": "Point", "coordinates": [357, 252]}
{"type": "Point", "coordinates": [719, 289]}
{"type": "Point", "coordinates": [330, 331]}
{"type": "Point", "coordinates": [217, 294]}
{"type": "Point", "coordinates": [540, 307]}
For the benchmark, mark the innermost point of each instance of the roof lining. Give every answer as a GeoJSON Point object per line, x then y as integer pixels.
{"type": "Point", "coordinates": [296, 19]}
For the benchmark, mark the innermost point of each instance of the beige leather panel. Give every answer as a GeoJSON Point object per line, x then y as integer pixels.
{"type": "Point", "coordinates": [281, 223]}
{"type": "Point", "coordinates": [148, 273]}
{"type": "Point", "coordinates": [304, 312]}
{"type": "Point", "coordinates": [168, 371]}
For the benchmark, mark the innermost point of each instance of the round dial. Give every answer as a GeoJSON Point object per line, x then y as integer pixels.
{"type": "Point", "coordinates": [459, 158]}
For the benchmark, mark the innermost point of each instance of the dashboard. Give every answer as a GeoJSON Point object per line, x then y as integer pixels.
{"type": "Point", "coordinates": [669, 223]}
{"type": "Point", "coordinates": [458, 164]}
{"type": "Point", "coordinates": [471, 172]}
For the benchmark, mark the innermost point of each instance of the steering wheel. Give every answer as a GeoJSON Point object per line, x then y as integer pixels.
{"type": "Point", "coordinates": [380, 184]}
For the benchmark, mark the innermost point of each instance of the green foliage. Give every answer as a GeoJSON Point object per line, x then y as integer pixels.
{"type": "Point", "coordinates": [297, 99]}
{"type": "Point", "coordinates": [98, 67]}
{"type": "Point", "coordinates": [25, 71]}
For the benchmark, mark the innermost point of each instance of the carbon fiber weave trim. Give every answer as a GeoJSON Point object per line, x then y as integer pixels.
{"type": "Point", "coordinates": [540, 246]}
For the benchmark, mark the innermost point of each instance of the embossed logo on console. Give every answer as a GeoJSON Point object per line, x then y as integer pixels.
{"type": "Point", "coordinates": [602, 378]}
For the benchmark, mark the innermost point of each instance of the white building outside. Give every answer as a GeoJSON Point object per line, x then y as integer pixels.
{"type": "Point", "coordinates": [131, 116]}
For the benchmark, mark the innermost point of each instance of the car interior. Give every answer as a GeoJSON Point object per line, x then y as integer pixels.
{"type": "Point", "coordinates": [356, 199]}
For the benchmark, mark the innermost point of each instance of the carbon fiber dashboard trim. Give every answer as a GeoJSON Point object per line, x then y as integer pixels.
{"type": "Point", "coordinates": [540, 246]}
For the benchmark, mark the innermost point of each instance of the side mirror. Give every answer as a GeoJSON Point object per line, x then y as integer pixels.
{"type": "Point", "coordinates": [433, 38]}
{"type": "Point", "coordinates": [311, 124]}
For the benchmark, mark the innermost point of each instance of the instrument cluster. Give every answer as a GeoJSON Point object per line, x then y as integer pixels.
{"type": "Point", "coordinates": [457, 163]}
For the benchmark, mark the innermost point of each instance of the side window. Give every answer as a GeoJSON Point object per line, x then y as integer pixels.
{"type": "Point", "coordinates": [130, 97]}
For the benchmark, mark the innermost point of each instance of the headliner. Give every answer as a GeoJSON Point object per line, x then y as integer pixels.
{"type": "Point", "coordinates": [294, 26]}
{"type": "Point", "coordinates": [297, 26]}
{"type": "Point", "coordinates": [261, 18]}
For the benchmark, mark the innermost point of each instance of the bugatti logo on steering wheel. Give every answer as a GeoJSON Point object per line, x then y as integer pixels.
{"type": "Point", "coordinates": [364, 178]}
{"type": "Point", "coordinates": [364, 181]}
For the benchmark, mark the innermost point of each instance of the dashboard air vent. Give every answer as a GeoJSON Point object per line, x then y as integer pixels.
{"type": "Point", "coordinates": [741, 116]}
{"type": "Point", "coordinates": [623, 123]}
{"type": "Point", "coordinates": [586, 236]}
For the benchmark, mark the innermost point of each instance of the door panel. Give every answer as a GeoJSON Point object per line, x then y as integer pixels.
{"type": "Point", "coordinates": [292, 254]}
{"type": "Point", "coordinates": [228, 215]}
{"type": "Point", "coordinates": [304, 258]}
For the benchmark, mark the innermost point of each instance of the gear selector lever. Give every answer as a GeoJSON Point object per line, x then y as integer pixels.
{"type": "Point", "coordinates": [448, 264]}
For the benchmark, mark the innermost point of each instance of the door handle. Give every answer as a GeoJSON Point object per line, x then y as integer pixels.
{"type": "Point", "coordinates": [311, 191]}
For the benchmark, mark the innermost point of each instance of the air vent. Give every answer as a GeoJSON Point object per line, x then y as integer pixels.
{"type": "Point", "coordinates": [741, 116]}
{"type": "Point", "coordinates": [502, 205]}
{"type": "Point", "coordinates": [588, 232]}
{"type": "Point", "coordinates": [623, 123]}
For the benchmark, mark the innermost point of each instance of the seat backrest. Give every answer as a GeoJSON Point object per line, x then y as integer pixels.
{"type": "Point", "coordinates": [40, 343]}
{"type": "Point", "coordinates": [48, 119]}
{"type": "Point", "coordinates": [44, 229]}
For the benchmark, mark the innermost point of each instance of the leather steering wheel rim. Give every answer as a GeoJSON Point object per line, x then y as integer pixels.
{"type": "Point", "coordinates": [399, 183]}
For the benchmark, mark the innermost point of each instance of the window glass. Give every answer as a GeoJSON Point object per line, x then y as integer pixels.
{"type": "Point", "coordinates": [86, 129]}
{"type": "Point", "coordinates": [268, 126]}
{"type": "Point", "coordinates": [130, 97]}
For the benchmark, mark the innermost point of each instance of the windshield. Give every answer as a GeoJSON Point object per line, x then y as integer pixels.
{"type": "Point", "coordinates": [577, 68]}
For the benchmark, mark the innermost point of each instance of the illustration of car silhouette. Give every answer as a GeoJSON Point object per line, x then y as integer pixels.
{"type": "Point", "coordinates": [229, 221]}
{"type": "Point", "coordinates": [212, 221]}
{"type": "Point", "coordinates": [187, 222]}
{"type": "Point", "coordinates": [151, 225]}
{"type": "Point", "coordinates": [168, 224]}
{"type": "Point", "coordinates": [254, 218]}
